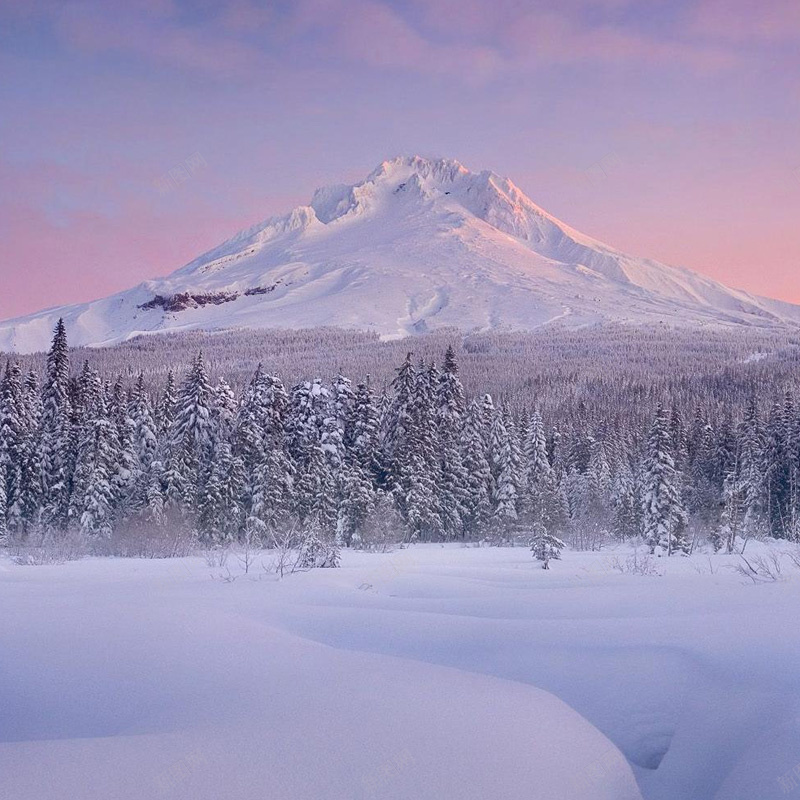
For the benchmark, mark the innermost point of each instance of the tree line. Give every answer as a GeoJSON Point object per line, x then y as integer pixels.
{"type": "Point", "coordinates": [346, 465]}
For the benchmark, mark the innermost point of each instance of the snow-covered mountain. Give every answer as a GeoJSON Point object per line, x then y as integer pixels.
{"type": "Point", "coordinates": [418, 244]}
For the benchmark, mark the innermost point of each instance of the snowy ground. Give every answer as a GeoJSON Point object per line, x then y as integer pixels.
{"type": "Point", "coordinates": [432, 672]}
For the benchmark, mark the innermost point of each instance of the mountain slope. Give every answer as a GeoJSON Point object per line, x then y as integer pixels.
{"type": "Point", "coordinates": [418, 244]}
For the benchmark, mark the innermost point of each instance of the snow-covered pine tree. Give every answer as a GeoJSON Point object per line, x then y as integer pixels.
{"type": "Point", "coordinates": [152, 446]}
{"type": "Point", "coordinates": [332, 442]}
{"type": "Point", "coordinates": [397, 418]}
{"type": "Point", "coordinates": [261, 456]}
{"type": "Point", "coordinates": [90, 397]}
{"type": "Point", "coordinates": [515, 449]}
{"type": "Point", "coordinates": [315, 498]}
{"type": "Point", "coordinates": [502, 462]}
{"type": "Point", "coordinates": [422, 498]}
{"type": "Point", "coordinates": [450, 403]}
{"type": "Point", "coordinates": [318, 551]}
{"type": "Point", "coordinates": [702, 496]}
{"type": "Point", "coordinates": [315, 489]}
{"type": "Point", "coordinates": [476, 464]}
{"type": "Point", "coordinates": [165, 408]}
{"type": "Point", "coordinates": [400, 454]}
{"type": "Point", "coordinates": [95, 462]}
{"type": "Point", "coordinates": [734, 508]}
{"type": "Point", "coordinates": [218, 511]}
{"type": "Point", "coordinates": [540, 502]}
{"type": "Point", "coordinates": [3, 508]}
{"type": "Point", "coordinates": [309, 406]}
{"type": "Point", "coordinates": [780, 473]}
{"type": "Point", "coordinates": [363, 431]}
{"type": "Point", "coordinates": [545, 545]}
{"type": "Point", "coordinates": [664, 517]}
{"type": "Point", "coordinates": [127, 471]}
{"type": "Point", "coordinates": [12, 437]}
{"type": "Point", "coordinates": [54, 436]}
{"type": "Point", "coordinates": [626, 503]}
{"type": "Point", "coordinates": [750, 448]}
{"type": "Point", "coordinates": [145, 433]}
{"type": "Point", "coordinates": [359, 468]}
{"type": "Point", "coordinates": [190, 442]}
{"type": "Point", "coordinates": [24, 512]}
{"type": "Point", "coordinates": [356, 503]}
{"type": "Point", "coordinates": [343, 400]}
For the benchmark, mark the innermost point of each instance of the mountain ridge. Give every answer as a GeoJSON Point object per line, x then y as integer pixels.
{"type": "Point", "coordinates": [418, 244]}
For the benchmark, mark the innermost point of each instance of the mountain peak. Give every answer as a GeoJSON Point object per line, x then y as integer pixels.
{"type": "Point", "coordinates": [419, 243]}
{"type": "Point", "coordinates": [401, 167]}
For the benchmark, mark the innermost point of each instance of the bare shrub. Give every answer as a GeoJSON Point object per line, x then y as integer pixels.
{"type": "Point", "coordinates": [587, 534]}
{"type": "Point", "coordinates": [286, 545]}
{"type": "Point", "coordinates": [249, 548]}
{"type": "Point", "coordinates": [712, 568]}
{"type": "Point", "coordinates": [141, 539]}
{"type": "Point", "coordinates": [794, 556]}
{"type": "Point", "coordinates": [761, 569]}
{"type": "Point", "coordinates": [637, 563]}
{"type": "Point", "coordinates": [217, 556]}
{"type": "Point", "coordinates": [47, 547]}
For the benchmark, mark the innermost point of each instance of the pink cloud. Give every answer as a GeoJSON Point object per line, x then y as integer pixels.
{"type": "Point", "coordinates": [744, 21]}
{"type": "Point", "coordinates": [147, 31]}
{"type": "Point", "coordinates": [472, 39]}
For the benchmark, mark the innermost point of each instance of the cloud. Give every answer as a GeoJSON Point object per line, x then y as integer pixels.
{"type": "Point", "coordinates": [555, 38]}
{"type": "Point", "coordinates": [747, 22]}
{"type": "Point", "coordinates": [503, 37]}
{"type": "Point", "coordinates": [155, 36]}
{"type": "Point", "coordinates": [471, 40]}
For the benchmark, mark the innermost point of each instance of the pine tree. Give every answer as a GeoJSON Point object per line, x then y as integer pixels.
{"type": "Point", "coordinates": [95, 464]}
{"type": "Point", "coordinates": [165, 409]}
{"type": "Point", "coordinates": [55, 438]}
{"type": "Point", "coordinates": [25, 509]}
{"type": "Point", "coordinates": [12, 439]}
{"type": "Point", "coordinates": [343, 400]}
{"type": "Point", "coordinates": [473, 448]}
{"type": "Point", "coordinates": [145, 433]}
{"type": "Point", "coordinates": [751, 461]}
{"type": "Point", "coordinates": [260, 454]}
{"type": "Point", "coordinates": [541, 503]}
{"type": "Point", "coordinates": [502, 462]}
{"type": "Point", "coordinates": [626, 503]}
{"type": "Point", "coordinates": [127, 472]}
{"type": "Point", "coordinates": [664, 517]}
{"type": "Point", "coordinates": [702, 495]}
{"type": "Point", "coordinates": [410, 450]}
{"type": "Point", "coordinates": [780, 471]}
{"type": "Point", "coordinates": [190, 441]}
{"type": "Point", "coordinates": [218, 511]}
{"type": "Point", "coordinates": [545, 546]}
{"type": "Point", "coordinates": [356, 504]}
{"type": "Point", "coordinates": [359, 468]}
{"type": "Point", "coordinates": [90, 398]}
{"type": "Point", "coordinates": [734, 506]}
{"type": "Point", "coordinates": [309, 421]}
{"type": "Point", "coordinates": [422, 500]}
{"type": "Point", "coordinates": [450, 404]}
{"type": "Point", "coordinates": [3, 507]}
{"type": "Point", "coordinates": [363, 431]}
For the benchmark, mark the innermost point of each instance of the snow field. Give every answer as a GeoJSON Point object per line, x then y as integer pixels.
{"type": "Point", "coordinates": [433, 671]}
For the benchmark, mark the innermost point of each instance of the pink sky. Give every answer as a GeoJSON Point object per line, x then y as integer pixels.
{"type": "Point", "coordinates": [667, 129]}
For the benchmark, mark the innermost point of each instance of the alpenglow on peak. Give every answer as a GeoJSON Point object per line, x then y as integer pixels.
{"type": "Point", "coordinates": [418, 244]}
